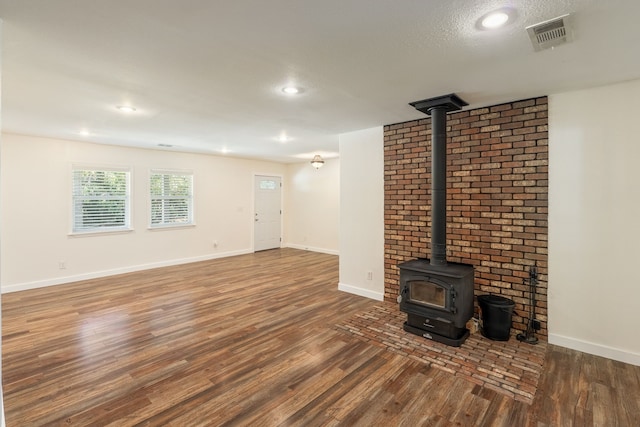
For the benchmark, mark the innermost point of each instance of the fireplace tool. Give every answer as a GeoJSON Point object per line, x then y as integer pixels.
{"type": "Point", "coordinates": [532, 325]}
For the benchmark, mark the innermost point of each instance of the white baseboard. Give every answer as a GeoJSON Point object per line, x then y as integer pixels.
{"type": "Point", "coordinates": [312, 249]}
{"type": "Point", "coordinates": [596, 349]}
{"type": "Point", "coordinates": [378, 296]}
{"type": "Point", "coordinates": [105, 273]}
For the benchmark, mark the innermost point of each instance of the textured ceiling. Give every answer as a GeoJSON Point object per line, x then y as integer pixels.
{"type": "Point", "coordinates": [206, 76]}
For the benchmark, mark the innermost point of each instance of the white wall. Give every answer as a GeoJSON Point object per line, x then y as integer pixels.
{"type": "Point", "coordinates": [36, 204]}
{"type": "Point", "coordinates": [312, 207]}
{"type": "Point", "coordinates": [594, 221]}
{"type": "Point", "coordinates": [362, 212]}
{"type": "Point", "coordinates": [2, 422]}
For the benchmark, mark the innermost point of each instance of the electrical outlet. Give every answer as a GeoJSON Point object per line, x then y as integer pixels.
{"type": "Point", "coordinates": [62, 265]}
{"type": "Point", "coordinates": [369, 275]}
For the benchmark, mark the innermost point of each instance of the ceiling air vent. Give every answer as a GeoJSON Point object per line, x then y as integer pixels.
{"type": "Point", "coordinates": [551, 33]}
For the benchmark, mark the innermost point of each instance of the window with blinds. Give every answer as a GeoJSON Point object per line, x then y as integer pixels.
{"type": "Point", "coordinates": [100, 200]}
{"type": "Point", "coordinates": [171, 199]}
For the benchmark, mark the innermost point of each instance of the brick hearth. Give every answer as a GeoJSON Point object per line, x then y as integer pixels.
{"type": "Point", "coordinates": [508, 367]}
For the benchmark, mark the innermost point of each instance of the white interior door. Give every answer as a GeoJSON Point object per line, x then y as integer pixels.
{"type": "Point", "coordinates": [267, 223]}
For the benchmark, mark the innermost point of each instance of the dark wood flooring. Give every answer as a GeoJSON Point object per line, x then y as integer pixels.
{"type": "Point", "coordinates": [251, 340]}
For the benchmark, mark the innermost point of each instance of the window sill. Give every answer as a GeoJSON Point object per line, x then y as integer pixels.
{"type": "Point", "coordinates": [99, 232]}
{"type": "Point", "coordinates": [170, 227]}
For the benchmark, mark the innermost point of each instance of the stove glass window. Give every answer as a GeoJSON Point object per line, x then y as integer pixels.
{"type": "Point", "coordinates": [427, 293]}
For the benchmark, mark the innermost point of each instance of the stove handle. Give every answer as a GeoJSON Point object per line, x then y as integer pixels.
{"type": "Point", "coordinates": [404, 291]}
{"type": "Point", "coordinates": [454, 307]}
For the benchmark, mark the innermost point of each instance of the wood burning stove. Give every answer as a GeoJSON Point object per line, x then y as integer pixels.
{"type": "Point", "coordinates": [436, 295]}
{"type": "Point", "coordinates": [438, 300]}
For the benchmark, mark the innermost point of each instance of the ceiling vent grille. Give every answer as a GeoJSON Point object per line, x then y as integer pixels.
{"type": "Point", "coordinates": [551, 33]}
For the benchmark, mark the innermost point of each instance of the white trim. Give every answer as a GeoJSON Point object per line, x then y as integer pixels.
{"type": "Point", "coordinates": [171, 227]}
{"type": "Point", "coordinates": [105, 273]}
{"type": "Point", "coordinates": [596, 349]}
{"type": "Point", "coordinates": [101, 167]}
{"type": "Point", "coordinates": [165, 171]}
{"type": "Point", "coordinates": [378, 296]}
{"type": "Point", "coordinates": [312, 249]}
{"type": "Point", "coordinates": [96, 232]}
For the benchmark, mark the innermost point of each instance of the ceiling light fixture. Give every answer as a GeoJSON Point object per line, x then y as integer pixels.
{"type": "Point", "coordinates": [495, 20]}
{"type": "Point", "coordinates": [126, 108]}
{"type": "Point", "coordinates": [84, 132]}
{"type": "Point", "coordinates": [291, 90]}
{"type": "Point", "coordinates": [317, 161]}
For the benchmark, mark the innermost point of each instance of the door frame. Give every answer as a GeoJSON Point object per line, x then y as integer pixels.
{"type": "Point", "coordinates": [253, 207]}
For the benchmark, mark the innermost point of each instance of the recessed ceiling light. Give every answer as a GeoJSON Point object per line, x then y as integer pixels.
{"type": "Point", "coordinates": [291, 90]}
{"type": "Point", "coordinates": [126, 108]}
{"type": "Point", "coordinates": [84, 132]}
{"type": "Point", "coordinates": [495, 20]}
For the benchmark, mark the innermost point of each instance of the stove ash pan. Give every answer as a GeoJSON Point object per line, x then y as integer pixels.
{"type": "Point", "coordinates": [438, 299]}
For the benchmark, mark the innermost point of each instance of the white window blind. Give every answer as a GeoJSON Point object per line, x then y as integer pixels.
{"type": "Point", "coordinates": [100, 200]}
{"type": "Point", "coordinates": [171, 199]}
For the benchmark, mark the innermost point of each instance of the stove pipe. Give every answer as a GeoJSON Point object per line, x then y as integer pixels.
{"type": "Point", "coordinates": [438, 108]}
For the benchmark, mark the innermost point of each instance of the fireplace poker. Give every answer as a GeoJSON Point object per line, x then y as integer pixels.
{"type": "Point", "coordinates": [529, 336]}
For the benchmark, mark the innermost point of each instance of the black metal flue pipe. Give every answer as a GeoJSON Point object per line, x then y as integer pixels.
{"type": "Point", "coordinates": [438, 108]}
{"type": "Point", "coordinates": [438, 185]}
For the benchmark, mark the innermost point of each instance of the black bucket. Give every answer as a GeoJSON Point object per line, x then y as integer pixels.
{"type": "Point", "coordinates": [496, 316]}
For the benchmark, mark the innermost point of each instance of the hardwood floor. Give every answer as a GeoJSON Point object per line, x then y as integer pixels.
{"type": "Point", "coordinates": [251, 340]}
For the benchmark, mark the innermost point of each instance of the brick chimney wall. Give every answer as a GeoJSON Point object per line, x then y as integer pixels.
{"type": "Point", "coordinates": [497, 187]}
